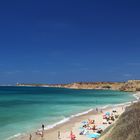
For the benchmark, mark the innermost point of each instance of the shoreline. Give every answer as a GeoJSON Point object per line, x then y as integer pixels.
{"type": "Point", "coordinates": [73, 125]}
{"type": "Point", "coordinates": [128, 86]}
{"type": "Point", "coordinates": [66, 126]}
{"type": "Point", "coordinates": [73, 88]}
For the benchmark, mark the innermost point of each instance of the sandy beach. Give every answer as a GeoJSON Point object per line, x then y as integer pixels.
{"type": "Point", "coordinates": [75, 123]}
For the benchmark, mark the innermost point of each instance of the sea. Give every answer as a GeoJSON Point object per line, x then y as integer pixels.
{"type": "Point", "coordinates": [25, 109]}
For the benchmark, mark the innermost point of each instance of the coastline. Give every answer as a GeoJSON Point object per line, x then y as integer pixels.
{"type": "Point", "coordinates": [73, 123]}
{"type": "Point", "coordinates": [128, 86]}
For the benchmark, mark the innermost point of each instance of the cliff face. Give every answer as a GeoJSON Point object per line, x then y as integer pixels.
{"type": "Point", "coordinates": [131, 85]}
{"type": "Point", "coordinates": [95, 85]}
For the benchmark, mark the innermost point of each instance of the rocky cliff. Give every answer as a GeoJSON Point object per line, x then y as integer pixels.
{"type": "Point", "coordinates": [131, 85]}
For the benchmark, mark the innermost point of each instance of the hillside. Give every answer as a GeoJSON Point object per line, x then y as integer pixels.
{"type": "Point", "coordinates": [131, 85]}
{"type": "Point", "coordinates": [127, 127]}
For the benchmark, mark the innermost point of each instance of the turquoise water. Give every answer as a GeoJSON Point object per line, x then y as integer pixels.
{"type": "Point", "coordinates": [24, 109]}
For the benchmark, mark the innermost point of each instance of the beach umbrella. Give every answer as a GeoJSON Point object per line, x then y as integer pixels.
{"type": "Point", "coordinates": [107, 113]}
{"type": "Point", "coordinates": [94, 135]}
{"type": "Point", "coordinates": [85, 122]}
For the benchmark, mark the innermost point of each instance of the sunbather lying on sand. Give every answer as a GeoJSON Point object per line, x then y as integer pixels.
{"type": "Point", "coordinates": [91, 121]}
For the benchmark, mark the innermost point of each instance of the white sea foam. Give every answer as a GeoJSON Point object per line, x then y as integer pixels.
{"type": "Point", "coordinates": [136, 96]}
{"type": "Point", "coordinates": [129, 103]}
{"type": "Point", "coordinates": [57, 123]}
{"type": "Point", "coordinates": [121, 104]}
{"type": "Point", "coordinates": [73, 116]}
{"type": "Point", "coordinates": [82, 113]}
{"type": "Point", "coordinates": [106, 106]}
{"type": "Point", "coordinates": [14, 136]}
{"type": "Point", "coordinates": [67, 119]}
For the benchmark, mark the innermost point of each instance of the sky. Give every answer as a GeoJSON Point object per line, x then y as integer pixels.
{"type": "Point", "coordinates": [62, 41]}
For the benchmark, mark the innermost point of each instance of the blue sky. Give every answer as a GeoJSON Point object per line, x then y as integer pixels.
{"type": "Point", "coordinates": [66, 41]}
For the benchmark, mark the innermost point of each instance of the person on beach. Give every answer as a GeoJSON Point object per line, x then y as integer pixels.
{"type": "Point", "coordinates": [101, 111]}
{"type": "Point", "coordinates": [30, 137]}
{"type": "Point", "coordinates": [96, 109]}
{"type": "Point", "coordinates": [93, 128]}
{"type": "Point", "coordinates": [91, 121]}
{"type": "Point", "coordinates": [72, 136]}
{"type": "Point", "coordinates": [59, 135]}
{"type": "Point", "coordinates": [43, 127]}
{"type": "Point", "coordinates": [42, 134]}
{"type": "Point", "coordinates": [112, 118]}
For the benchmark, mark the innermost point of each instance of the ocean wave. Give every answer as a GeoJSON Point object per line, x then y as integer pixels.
{"type": "Point", "coordinates": [67, 119]}
{"type": "Point", "coordinates": [136, 96]}
{"type": "Point", "coordinates": [82, 113]}
{"type": "Point", "coordinates": [73, 116]}
{"type": "Point", "coordinates": [57, 123]}
{"type": "Point", "coordinates": [14, 136]}
{"type": "Point", "coordinates": [121, 104]}
{"type": "Point", "coordinates": [106, 106]}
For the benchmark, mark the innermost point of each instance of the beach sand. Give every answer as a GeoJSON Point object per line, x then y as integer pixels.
{"type": "Point", "coordinates": [75, 123]}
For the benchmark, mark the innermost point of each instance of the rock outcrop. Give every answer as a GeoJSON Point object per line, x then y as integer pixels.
{"type": "Point", "coordinates": [131, 85]}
